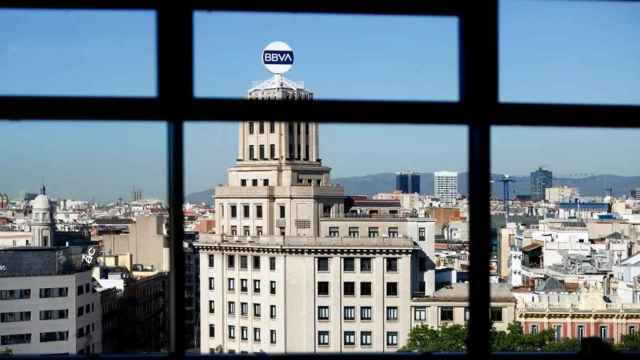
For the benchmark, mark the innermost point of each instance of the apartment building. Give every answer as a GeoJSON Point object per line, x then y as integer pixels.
{"type": "Point", "coordinates": [48, 303]}
{"type": "Point", "coordinates": [303, 294]}
{"type": "Point", "coordinates": [145, 239]}
{"type": "Point", "coordinates": [445, 185]}
{"type": "Point", "coordinates": [584, 313]}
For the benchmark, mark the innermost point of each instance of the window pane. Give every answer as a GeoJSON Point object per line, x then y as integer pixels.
{"type": "Point", "coordinates": [375, 244]}
{"type": "Point", "coordinates": [376, 296]}
{"type": "Point", "coordinates": [83, 238]}
{"type": "Point", "coordinates": [379, 57]}
{"type": "Point", "coordinates": [562, 219]}
{"type": "Point", "coordinates": [77, 52]}
{"type": "Point", "coordinates": [569, 52]}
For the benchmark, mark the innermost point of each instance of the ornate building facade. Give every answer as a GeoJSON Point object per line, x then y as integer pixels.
{"type": "Point", "coordinates": [288, 270]}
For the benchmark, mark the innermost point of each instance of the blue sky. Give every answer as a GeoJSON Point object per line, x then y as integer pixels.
{"type": "Point", "coordinates": [551, 51]}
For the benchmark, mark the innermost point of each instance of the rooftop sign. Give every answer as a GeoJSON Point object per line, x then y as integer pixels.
{"type": "Point", "coordinates": [277, 57]}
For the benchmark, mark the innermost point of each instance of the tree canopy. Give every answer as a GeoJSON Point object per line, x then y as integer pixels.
{"type": "Point", "coordinates": [452, 338]}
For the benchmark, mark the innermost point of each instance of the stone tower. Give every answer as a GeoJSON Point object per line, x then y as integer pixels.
{"type": "Point", "coordinates": [42, 225]}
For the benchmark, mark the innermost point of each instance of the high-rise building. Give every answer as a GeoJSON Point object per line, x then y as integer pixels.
{"type": "Point", "coordinates": [408, 182]}
{"type": "Point", "coordinates": [445, 185]}
{"type": "Point", "coordinates": [402, 182]}
{"type": "Point", "coordinates": [136, 194]}
{"type": "Point", "coordinates": [540, 181]}
{"type": "Point", "coordinates": [414, 182]}
{"type": "Point", "coordinates": [287, 270]}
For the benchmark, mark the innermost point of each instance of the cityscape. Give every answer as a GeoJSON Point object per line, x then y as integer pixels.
{"type": "Point", "coordinates": [319, 238]}
{"type": "Point", "coordinates": [281, 259]}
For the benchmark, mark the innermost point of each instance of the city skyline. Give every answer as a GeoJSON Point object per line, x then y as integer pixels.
{"type": "Point", "coordinates": [99, 182]}
{"type": "Point", "coordinates": [300, 235]}
{"type": "Point", "coordinates": [128, 68]}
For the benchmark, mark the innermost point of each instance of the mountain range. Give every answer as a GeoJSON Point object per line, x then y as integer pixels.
{"type": "Point", "coordinates": [385, 182]}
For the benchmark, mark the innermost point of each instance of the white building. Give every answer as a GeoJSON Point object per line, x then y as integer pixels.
{"type": "Point", "coordinates": [626, 279]}
{"type": "Point", "coordinates": [42, 224]}
{"type": "Point", "coordinates": [445, 185]}
{"type": "Point", "coordinates": [290, 294]}
{"type": "Point", "coordinates": [559, 243]}
{"type": "Point", "coordinates": [9, 239]}
{"type": "Point", "coordinates": [48, 304]}
{"type": "Point", "coordinates": [288, 270]}
{"type": "Point", "coordinates": [42, 227]}
{"type": "Point", "coordinates": [560, 194]}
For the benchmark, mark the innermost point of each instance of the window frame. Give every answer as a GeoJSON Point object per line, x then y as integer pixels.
{"type": "Point", "coordinates": [449, 310]}
{"type": "Point", "coordinates": [366, 313]}
{"type": "Point", "coordinates": [323, 264]}
{"type": "Point", "coordinates": [366, 338]}
{"type": "Point", "coordinates": [392, 335]}
{"type": "Point", "coordinates": [351, 311]}
{"type": "Point", "coordinates": [323, 338]}
{"type": "Point", "coordinates": [391, 313]}
{"type": "Point", "coordinates": [478, 107]}
{"type": "Point", "coordinates": [349, 264]}
{"type": "Point", "coordinates": [349, 335]}
{"type": "Point", "coordinates": [364, 291]}
{"type": "Point", "coordinates": [323, 313]}
{"type": "Point", "coordinates": [348, 288]}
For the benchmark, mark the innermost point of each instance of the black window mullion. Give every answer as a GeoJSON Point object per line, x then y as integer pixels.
{"type": "Point", "coordinates": [175, 92]}
{"type": "Point", "coordinates": [397, 7]}
{"type": "Point", "coordinates": [479, 97]}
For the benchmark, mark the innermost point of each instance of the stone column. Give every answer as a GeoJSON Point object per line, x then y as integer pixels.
{"type": "Point", "coordinates": [296, 139]}
{"type": "Point", "coordinates": [316, 142]}
{"type": "Point", "coordinates": [285, 139]}
{"type": "Point", "coordinates": [303, 140]}
{"type": "Point", "coordinates": [312, 141]}
{"type": "Point", "coordinates": [241, 143]}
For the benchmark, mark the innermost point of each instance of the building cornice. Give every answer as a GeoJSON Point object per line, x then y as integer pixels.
{"type": "Point", "coordinates": [305, 250]}
{"type": "Point", "coordinates": [308, 245]}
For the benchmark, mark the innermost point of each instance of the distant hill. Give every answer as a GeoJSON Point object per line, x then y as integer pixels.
{"type": "Point", "coordinates": [385, 182]}
{"type": "Point", "coordinates": [204, 196]}
{"type": "Point", "coordinates": [588, 186]}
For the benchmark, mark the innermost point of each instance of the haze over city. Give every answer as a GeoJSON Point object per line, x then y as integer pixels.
{"type": "Point", "coordinates": [424, 67]}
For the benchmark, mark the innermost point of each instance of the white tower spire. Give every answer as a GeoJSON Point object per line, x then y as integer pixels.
{"type": "Point", "coordinates": [42, 226]}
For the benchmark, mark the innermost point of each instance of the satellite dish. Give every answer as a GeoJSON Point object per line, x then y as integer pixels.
{"type": "Point", "coordinates": [277, 57]}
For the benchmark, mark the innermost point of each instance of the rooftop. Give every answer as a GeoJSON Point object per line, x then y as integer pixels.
{"type": "Point", "coordinates": [500, 292]}
{"type": "Point", "coordinates": [585, 206]}
{"type": "Point", "coordinates": [113, 221]}
{"type": "Point", "coordinates": [551, 284]}
{"type": "Point", "coordinates": [39, 261]}
{"type": "Point", "coordinates": [376, 202]}
{"type": "Point", "coordinates": [277, 82]}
